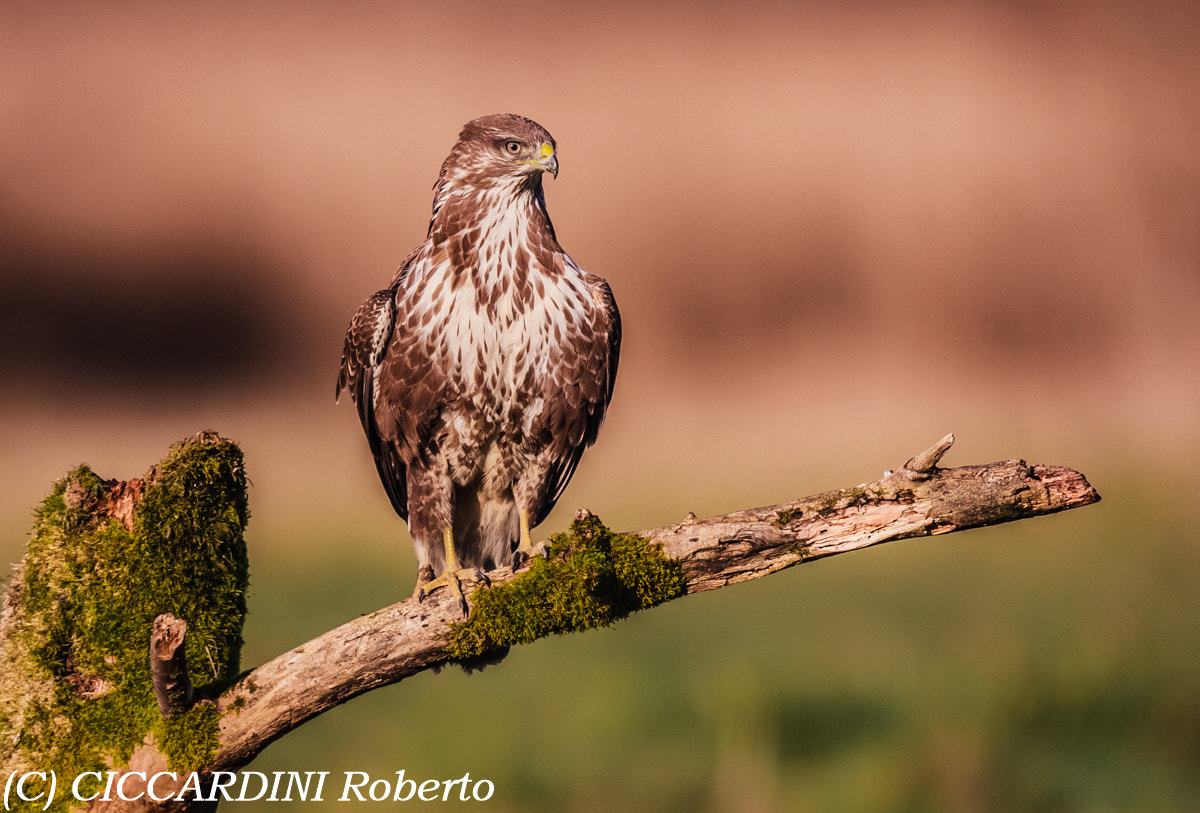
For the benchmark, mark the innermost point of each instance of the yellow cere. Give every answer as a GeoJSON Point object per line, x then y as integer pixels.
{"type": "Point", "coordinates": [547, 151]}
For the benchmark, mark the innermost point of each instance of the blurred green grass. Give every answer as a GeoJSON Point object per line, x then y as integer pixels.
{"type": "Point", "coordinates": [1049, 665]}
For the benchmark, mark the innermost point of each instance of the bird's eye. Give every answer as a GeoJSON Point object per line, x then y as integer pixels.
{"type": "Point", "coordinates": [513, 147]}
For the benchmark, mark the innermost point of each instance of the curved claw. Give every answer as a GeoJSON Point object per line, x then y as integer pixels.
{"type": "Point", "coordinates": [452, 580]}
{"type": "Point", "coordinates": [450, 577]}
{"type": "Point", "coordinates": [523, 553]}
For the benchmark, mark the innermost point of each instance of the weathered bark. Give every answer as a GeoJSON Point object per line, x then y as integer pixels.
{"type": "Point", "coordinates": [917, 500]}
{"type": "Point", "coordinates": [168, 665]}
{"type": "Point", "coordinates": [398, 641]}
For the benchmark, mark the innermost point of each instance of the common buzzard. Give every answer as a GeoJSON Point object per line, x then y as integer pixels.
{"type": "Point", "coordinates": [484, 369]}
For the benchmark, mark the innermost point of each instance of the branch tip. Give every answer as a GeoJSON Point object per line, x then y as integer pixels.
{"type": "Point", "coordinates": [925, 464]}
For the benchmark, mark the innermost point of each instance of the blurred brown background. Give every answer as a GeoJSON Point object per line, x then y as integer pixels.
{"type": "Point", "coordinates": [836, 232]}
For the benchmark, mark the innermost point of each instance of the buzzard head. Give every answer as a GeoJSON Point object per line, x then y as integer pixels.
{"type": "Point", "coordinates": [503, 150]}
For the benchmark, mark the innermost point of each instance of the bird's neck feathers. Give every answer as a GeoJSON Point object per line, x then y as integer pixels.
{"type": "Point", "coordinates": [477, 225]}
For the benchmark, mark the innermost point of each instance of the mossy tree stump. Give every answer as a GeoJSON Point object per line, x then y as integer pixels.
{"type": "Point", "coordinates": [105, 559]}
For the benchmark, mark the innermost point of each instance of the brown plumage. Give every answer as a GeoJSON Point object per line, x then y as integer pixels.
{"type": "Point", "coordinates": [484, 370]}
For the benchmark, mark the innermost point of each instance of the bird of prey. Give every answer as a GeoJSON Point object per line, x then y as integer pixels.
{"type": "Point", "coordinates": [483, 371]}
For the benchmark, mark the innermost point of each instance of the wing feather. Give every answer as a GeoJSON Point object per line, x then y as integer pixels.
{"type": "Point", "coordinates": [367, 341]}
{"type": "Point", "coordinates": [380, 361]}
{"type": "Point", "coordinates": [579, 393]}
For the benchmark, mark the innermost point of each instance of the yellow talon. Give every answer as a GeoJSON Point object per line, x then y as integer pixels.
{"type": "Point", "coordinates": [450, 578]}
{"type": "Point", "coordinates": [526, 550]}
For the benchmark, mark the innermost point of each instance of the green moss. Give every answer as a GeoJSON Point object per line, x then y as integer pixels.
{"type": "Point", "coordinates": [592, 578]}
{"type": "Point", "coordinates": [784, 517]}
{"type": "Point", "coordinates": [847, 498]}
{"type": "Point", "coordinates": [190, 739]}
{"type": "Point", "coordinates": [75, 650]}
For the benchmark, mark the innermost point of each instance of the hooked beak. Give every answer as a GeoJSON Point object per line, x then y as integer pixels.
{"type": "Point", "coordinates": [547, 160]}
{"type": "Point", "coordinates": [550, 164]}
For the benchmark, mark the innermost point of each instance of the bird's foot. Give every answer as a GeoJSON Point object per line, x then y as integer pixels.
{"type": "Point", "coordinates": [526, 550]}
{"type": "Point", "coordinates": [451, 580]}
{"type": "Point", "coordinates": [525, 553]}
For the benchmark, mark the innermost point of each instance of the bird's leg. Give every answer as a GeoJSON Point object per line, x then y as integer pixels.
{"type": "Point", "coordinates": [450, 577]}
{"type": "Point", "coordinates": [526, 550]}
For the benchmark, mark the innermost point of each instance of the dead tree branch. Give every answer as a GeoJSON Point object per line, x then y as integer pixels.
{"type": "Point", "coordinates": [393, 643]}
{"type": "Point", "coordinates": [181, 528]}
